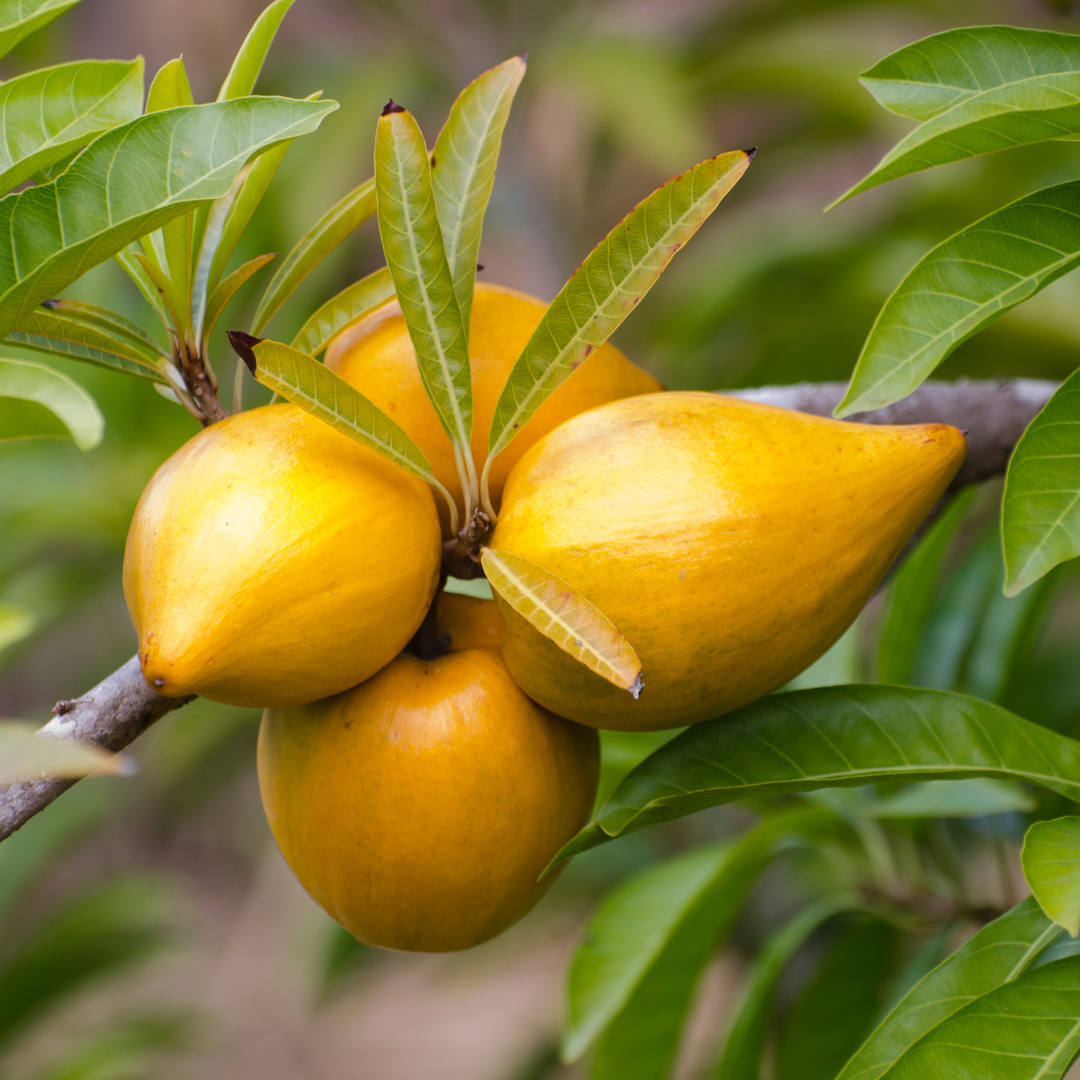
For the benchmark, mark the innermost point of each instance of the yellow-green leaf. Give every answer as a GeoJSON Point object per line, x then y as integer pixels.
{"type": "Point", "coordinates": [25, 755]}
{"type": "Point", "coordinates": [341, 311]}
{"type": "Point", "coordinates": [27, 390]}
{"type": "Point", "coordinates": [16, 623]}
{"type": "Point", "coordinates": [1051, 861]}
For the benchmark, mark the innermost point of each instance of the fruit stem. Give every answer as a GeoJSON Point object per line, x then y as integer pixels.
{"type": "Point", "coordinates": [485, 493]}
{"type": "Point", "coordinates": [463, 477]}
{"type": "Point", "coordinates": [238, 387]}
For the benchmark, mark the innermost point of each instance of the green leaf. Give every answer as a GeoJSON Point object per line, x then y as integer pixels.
{"type": "Point", "coordinates": [20, 18]}
{"type": "Point", "coordinates": [339, 222]}
{"type": "Point", "coordinates": [227, 290]}
{"type": "Point", "coordinates": [170, 88]}
{"type": "Point", "coordinates": [124, 1052]}
{"type": "Point", "coordinates": [16, 623]}
{"type": "Point", "coordinates": [129, 181]}
{"type": "Point", "coordinates": [305, 382]}
{"type": "Point", "coordinates": [647, 945]}
{"type": "Point", "coordinates": [961, 287]}
{"type": "Point", "coordinates": [463, 169]}
{"type": "Point", "coordinates": [1051, 861]}
{"type": "Point", "coordinates": [25, 755]}
{"type": "Point", "coordinates": [133, 268]}
{"type": "Point", "coordinates": [245, 69]}
{"type": "Point", "coordinates": [342, 311]}
{"type": "Point", "coordinates": [117, 325]}
{"type": "Point", "coordinates": [78, 340]}
{"type": "Point", "coordinates": [952, 799]}
{"type": "Point", "coordinates": [563, 616]}
{"type": "Point", "coordinates": [910, 597]}
{"type": "Point", "coordinates": [1040, 510]}
{"type": "Point", "coordinates": [996, 955]}
{"type": "Point", "coordinates": [844, 736]}
{"type": "Point", "coordinates": [413, 244]}
{"type": "Point", "coordinates": [741, 1059]}
{"type": "Point", "coordinates": [169, 291]}
{"type": "Point", "coordinates": [978, 90]}
{"type": "Point", "coordinates": [39, 388]}
{"type": "Point", "coordinates": [49, 114]}
{"type": "Point", "coordinates": [606, 286]}
{"type": "Point", "coordinates": [836, 1010]}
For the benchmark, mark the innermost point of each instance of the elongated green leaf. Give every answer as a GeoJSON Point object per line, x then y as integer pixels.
{"type": "Point", "coordinates": [962, 286]}
{"type": "Point", "coordinates": [41, 387]}
{"type": "Point", "coordinates": [564, 616]}
{"type": "Point", "coordinates": [131, 180]}
{"type": "Point", "coordinates": [976, 90]}
{"type": "Point", "coordinates": [1040, 510]}
{"type": "Point", "coordinates": [305, 382]}
{"type": "Point", "coordinates": [646, 946]}
{"type": "Point", "coordinates": [341, 311]}
{"type": "Point", "coordinates": [1051, 861]}
{"type": "Point", "coordinates": [463, 169]}
{"type": "Point", "coordinates": [910, 598]}
{"type": "Point", "coordinates": [101, 317]}
{"type": "Point", "coordinates": [133, 268]}
{"type": "Point", "coordinates": [46, 115]}
{"type": "Point", "coordinates": [838, 737]}
{"type": "Point", "coordinates": [24, 755]}
{"type": "Point", "coordinates": [607, 285]}
{"type": "Point", "coordinates": [952, 799]}
{"type": "Point", "coordinates": [227, 290]}
{"type": "Point", "coordinates": [997, 954]}
{"type": "Point", "coordinates": [20, 18]}
{"type": "Point", "coordinates": [837, 1008]}
{"type": "Point", "coordinates": [741, 1059]}
{"type": "Point", "coordinates": [16, 623]}
{"type": "Point", "coordinates": [169, 291]}
{"type": "Point", "coordinates": [339, 222]}
{"type": "Point", "coordinates": [245, 69]}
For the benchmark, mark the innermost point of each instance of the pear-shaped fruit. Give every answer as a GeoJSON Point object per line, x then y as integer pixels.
{"type": "Point", "coordinates": [420, 808]}
{"type": "Point", "coordinates": [376, 356]}
{"type": "Point", "coordinates": [274, 561]}
{"type": "Point", "coordinates": [731, 543]}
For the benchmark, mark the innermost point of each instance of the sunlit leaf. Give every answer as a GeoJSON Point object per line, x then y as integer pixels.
{"type": "Point", "coordinates": [1040, 510]}
{"type": "Point", "coordinates": [413, 245]}
{"type": "Point", "coordinates": [40, 388]}
{"type": "Point", "coordinates": [20, 18]}
{"type": "Point", "coordinates": [961, 287]}
{"type": "Point", "coordinates": [564, 616]}
{"type": "Point", "coordinates": [16, 623]}
{"type": "Point", "coordinates": [245, 69]}
{"type": "Point", "coordinates": [1051, 861]}
{"type": "Point", "coordinates": [25, 755]}
{"type": "Point", "coordinates": [741, 1059]}
{"type": "Point", "coordinates": [977, 90]}
{"type": "Point", "coordinates": [302, 380]}
{"type": "Point", "coordinates": [131, 180]}
{"type": "Point", "coordinates": [463, 169]}
{"type": "Point", "coordinates": [607, 285]}
{"type": "Point", "coordinates": [838, 737]}
{"type": "Point", "coordinates": [341, 311]}
{"type": "Point", "coordinates": [997, 954]}
{"type": "Point", "coordinates": [339, 222]}
{"type": "Point", "coordinates": [170, 88]}
{"type": "Point", "coordinates": [47, 115]}
{"type": "Point", "coordinates": [227, 290]}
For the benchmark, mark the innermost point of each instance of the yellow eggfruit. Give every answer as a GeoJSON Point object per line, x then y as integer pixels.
{"type": "Point", "coordinates": [376, 356]}
{"type": "Point", "coordinates": [731, 543]}
{"type": "Point", "coordinates": [274, 561]}
{"type": "Point", "coordinates": [420, 808]}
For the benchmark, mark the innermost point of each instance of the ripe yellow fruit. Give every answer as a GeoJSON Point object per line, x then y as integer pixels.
{"type": "Point", "coordinates": [274, 561]}
{"type": "Point", "coordinates": [731, 543]}
{"type": "Point", "coordinates": [376, 356]}
{"type": "Point", "coordinates": [420, 808]}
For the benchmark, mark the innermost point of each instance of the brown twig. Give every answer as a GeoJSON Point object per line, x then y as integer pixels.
{"type": "Point", "coordinates": [994, 414]}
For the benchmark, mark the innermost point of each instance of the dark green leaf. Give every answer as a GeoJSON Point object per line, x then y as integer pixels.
{"type": "Point", "coordinates": [245, 69]}
{"type": "Point", "coordinates": [129, 181]}
{"type": "Point", "coordinates": [49, 114]}
{"type": "Point", "coordinates": [116, 324]}
{"type": "Point", "coordinates": [1051, 861]}
{"type": "Point", "coordinates": [20, 18]}
{"type": "Point", "coordinates": [38, 388]}
{"type": "Point", "coordinates": [341, 311]}
{"type": "Point", "coordinates": [961, 287]}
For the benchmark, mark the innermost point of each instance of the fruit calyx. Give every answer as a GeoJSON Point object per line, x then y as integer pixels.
{"type": "Point", "coordinates": [461, 556]}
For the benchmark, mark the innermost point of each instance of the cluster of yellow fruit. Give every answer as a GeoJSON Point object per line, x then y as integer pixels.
{"type": "Point", "coordinates": [273, 562]}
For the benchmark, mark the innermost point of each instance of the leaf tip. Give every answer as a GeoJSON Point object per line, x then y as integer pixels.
{"type": "Point", "coordinates": [391, 107]}
{"type": "Point", "coordinates": [751, 153]}
{"type": "Point", "coordinates": [636, 687]}
{"type": "Point", "coordinates": [52, 305]}
{"type": "Point", "coordinates": [524, 56]}
{"type": "Point", "coordinates": [244, 345]}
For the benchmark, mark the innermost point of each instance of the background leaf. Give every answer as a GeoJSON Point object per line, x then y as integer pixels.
{"type": "Point", "coordinates": [564, 616]}
{"type": "Point", "coordinates": [20, 18]}
{"type": "Point", "coordinates": [25, 755]}
{"type": "Point", "coordinates": [961, 287]}
{"type": "Point", "coordinates": [27, 389]}
{"type": "Point", "coordinates": [245, 69]}
{"type": "Point", "coordinates": [16, 623]}
{"type": "Point", "coordinates": [1051, 861]}
{"type": "Point", "coordinates": [341, 311]}
{"type": "Point", "coordinates": [124, 185]}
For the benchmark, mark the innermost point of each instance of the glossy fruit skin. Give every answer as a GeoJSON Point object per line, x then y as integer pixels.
{"type": "Point", "coordinates": [731, 543]}
{"type": "Point", "coordinates": [273, 561]}
{"type": "Point", "coordinates": [376, 356]}
{"type": "Point", "coordinates": [420, 808]}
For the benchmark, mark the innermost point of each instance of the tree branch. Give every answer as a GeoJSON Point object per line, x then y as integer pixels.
{"type": "Point", "coordinates": [994, 414]}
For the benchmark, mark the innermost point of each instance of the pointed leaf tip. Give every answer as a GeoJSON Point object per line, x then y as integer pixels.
{"type": "Point", "coordinates": [391, 107]}
{"type": "Point", "coordinates": [243, 345]}
{"type": "Point", "coordinates": [751, 153]}
{"type": "Point", "coordinates": [524, 56]}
